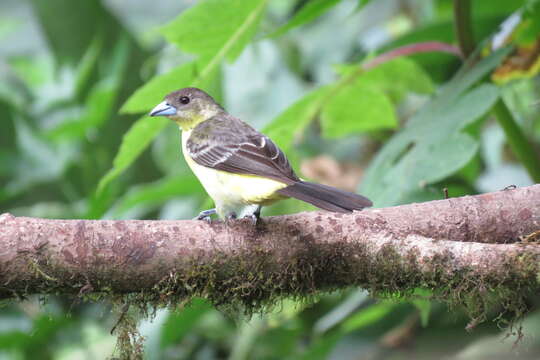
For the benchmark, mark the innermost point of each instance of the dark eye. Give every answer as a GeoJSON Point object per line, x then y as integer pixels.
{"type": "Point", "coordinates": [184, 100]}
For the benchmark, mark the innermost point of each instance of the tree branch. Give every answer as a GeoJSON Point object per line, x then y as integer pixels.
{"type": "Point", "coordinates": [464, 248]}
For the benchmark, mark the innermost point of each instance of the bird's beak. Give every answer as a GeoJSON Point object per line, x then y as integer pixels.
{"type": "Point", "coordinates": [163, 109]}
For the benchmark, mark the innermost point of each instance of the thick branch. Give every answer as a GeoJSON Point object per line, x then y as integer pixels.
{"type": "Point", "coordinates": [462, 245]}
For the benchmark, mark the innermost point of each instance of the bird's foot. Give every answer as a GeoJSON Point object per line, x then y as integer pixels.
{"type": "Point", "coordinates": [230, 217]}
{"type": "Point", "coordinates": [205, 215]}
{"type": "Point", "coordinates": [255, 217]}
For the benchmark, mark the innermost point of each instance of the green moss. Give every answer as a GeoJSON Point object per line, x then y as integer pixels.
{"type": "Point", "coordinates": [129, 342]}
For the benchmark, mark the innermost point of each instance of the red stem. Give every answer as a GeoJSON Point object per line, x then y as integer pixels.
{"type": "Point", "coordinates": [428, 46]}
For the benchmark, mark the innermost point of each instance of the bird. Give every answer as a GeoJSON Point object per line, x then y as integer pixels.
{"type": "Point", "coordinates": [240, 168]}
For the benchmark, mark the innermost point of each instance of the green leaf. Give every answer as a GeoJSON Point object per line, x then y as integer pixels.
{"type": "Point", "coordinates": [433, 145]}
{"type": "Point", "coordinates": [310, 11]}
{"type": "Point", "coordinates": [355, 103]}
{"type": "Point", "coordinates": [66, 43]}
{"type": "Point", "coordinates": [102, 97]}
{"type": "Point", "coordinates": [355, 109]}
{"type": "Point", "coordinates": [216, 28]}
{"type": "Point", "coordinates": [87, 64]}
{"type": "Point", "coordinates": [39, 161]}
{"type": "Point", "coordinates": [133, 144]}
{"type": "Point", "coordinates": [68, 36]}
{"type": "Point", "coordinates": [98, 108]}
{"type": "Point", "coordinates": [396, 77]}
{"type": "Point", "coordinates": [156, 193]}
{"type": "Point", "coordinates": [152, 93]}
{"type": "Point", "coordinates": [424, 307]}
{"type": "Point", "coordinates": [295, 118]}
{"type": "Point", "coordinates": [180, 323]}
{"type": "Point", "coordinates": [362, 3]}
{"type": "Point", "coordinates": [367, 316]}
{"type": "Point", "coordinates": [321, 347]}
{"type": "Point", "coordinates": [423, 304]}
{"type": "Point", "coordinates": [340, 311]}
{"type": "Point", "coordinates": [529, 29]}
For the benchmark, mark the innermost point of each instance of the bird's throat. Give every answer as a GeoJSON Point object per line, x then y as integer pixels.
{"type": "Point", "coordinates": [188, 121]}
{"type": "Point", "coordinates": [187, 124]}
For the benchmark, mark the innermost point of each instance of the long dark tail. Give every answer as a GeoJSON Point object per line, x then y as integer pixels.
{"type": "Point", "coordinates": [326, 197]}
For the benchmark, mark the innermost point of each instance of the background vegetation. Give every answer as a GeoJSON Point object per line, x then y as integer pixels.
{"type": "Point", "coordinates": [78, 77]}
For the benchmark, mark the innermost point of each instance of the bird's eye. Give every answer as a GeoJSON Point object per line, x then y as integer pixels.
{"type": "Point", "coordinates": [184, 100]}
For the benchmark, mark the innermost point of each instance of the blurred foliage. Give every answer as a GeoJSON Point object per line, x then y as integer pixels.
{"type": "Point", "coordinates": [77, 78]}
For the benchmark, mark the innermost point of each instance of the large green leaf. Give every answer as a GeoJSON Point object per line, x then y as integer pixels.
{"type": "Point", "coordinates": [156, 193]}
{"type": "Point", "coordinates": [396, 77]}
{"type": "Point", "coordinates": [290, 123]}
{"type": "Point", "coordinates": [357, 102]}
{"type": "Point", "coordinates": [433, 145]}
{"type": "Point", "coordinates": [357, 108]}
{"type": "Point", "coordinates": [216, 28]}
{"type": "Point", "coordinates": [134, 142]}
{"type": "Point", "coordinates": [310, 11]}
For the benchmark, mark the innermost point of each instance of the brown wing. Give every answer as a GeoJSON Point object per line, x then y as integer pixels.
{"type": "Point", "coordinates": [228, 144]}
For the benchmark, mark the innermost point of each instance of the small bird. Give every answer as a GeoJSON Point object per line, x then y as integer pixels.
{"type": "Point", "coordinates": [240, 168]}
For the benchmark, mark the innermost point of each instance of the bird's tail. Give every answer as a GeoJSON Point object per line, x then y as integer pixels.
{"type": "Point", "coordinates": [326, 197]}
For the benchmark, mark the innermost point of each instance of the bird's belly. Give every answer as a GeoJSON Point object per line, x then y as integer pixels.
{"type": "Point", "coordinates": [226, 187]}
{"type": "Point", "coordinates": [251, 189]}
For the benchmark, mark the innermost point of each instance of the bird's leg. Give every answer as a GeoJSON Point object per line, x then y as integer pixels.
{"type": "Point", "coordinates": [255, 216]}
{"type": "Point", "coordinates": [230, 216]}
{"type": "Point", "coordinates": [205, 215]}
{"type": "Point", "coordinates": [257, 212]}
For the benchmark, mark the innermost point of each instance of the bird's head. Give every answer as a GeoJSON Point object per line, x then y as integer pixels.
{"type": "Point", "coordinates": [187, 107]}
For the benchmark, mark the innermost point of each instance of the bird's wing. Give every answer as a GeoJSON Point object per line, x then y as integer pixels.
{"type": "Point", "coordinates": [228, 144]}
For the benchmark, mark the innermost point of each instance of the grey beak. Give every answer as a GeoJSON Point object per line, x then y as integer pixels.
{"type": "Point", "coordinates": [163, 109]}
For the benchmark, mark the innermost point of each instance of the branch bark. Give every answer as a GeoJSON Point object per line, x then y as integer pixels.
{"type": "Point", "coordinates": [460, 247]}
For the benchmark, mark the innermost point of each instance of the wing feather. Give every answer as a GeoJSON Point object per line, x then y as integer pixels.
{"type": "Point", "coordinates": [228, 144]}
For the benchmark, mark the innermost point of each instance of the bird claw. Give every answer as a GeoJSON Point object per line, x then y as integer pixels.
{"type": "Point", "coordinates": [205, 215]}
{"type": "Point", "coordinates": [206, 219]}
{"type": "Point", "coordinates": [255, 217]}
{"type": "Point", "coordinates": [230, 217]}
